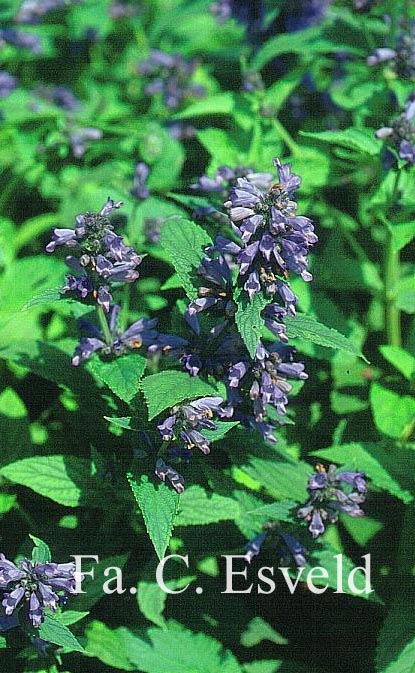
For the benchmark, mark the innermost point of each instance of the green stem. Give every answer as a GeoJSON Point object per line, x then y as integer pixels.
{"type": "Point", "coordinates": [392, 313]}
{"type": "Point", "coordinates": [391, 277]}
{"type": "Point", "coordinates": [286, 137]}
{"type": "Point", "coordinates": [104, 325]}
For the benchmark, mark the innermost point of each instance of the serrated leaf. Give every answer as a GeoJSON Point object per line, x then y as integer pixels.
{"type": "Point", "coordinates": [69, 617]}
{"type": "Point", "coordinates": [356, 139]}
{"type": "Point", "coordinates": [65, 479]}
{"type": "Point", "coordinates": [185, 243]}
{"type": "Point", "coordinates": [53, 631]}
{"type": "Point", "coordinates": [120, 421]}
{"type": "Point", "coordinates": [41, 552]}
{"type": "Point", "coordinates": [197, 507]}
{"type": "Point", "coordinates": [222, 429]}
{"type": "Point", "coordinates": [158, 507]}
{"type": "Point", "coordinates": [46, 297]}
{"type": "Point", "coordinates": [284, 481]}
{"type": "Point", "coordinates": [394, 414]}
{"type": "Point", "coordinates": [178, 650]}
{"type": "Point", "coordinates": [308, 328]}
{"type": "Point", "coordinates": [108, 646]}
{"type": "Point", "coordinates": [122, 375]}
{"type": "Point", "coordinates": [402, 234]}
{"type": "Point", "coordinates": [168, 388]}
{"type": "Point", "coordinates": [249, 321]}
{"type": "Point", "coordinates": [370, 459]}
{"type": "Point", "coordinates": [275, 511]}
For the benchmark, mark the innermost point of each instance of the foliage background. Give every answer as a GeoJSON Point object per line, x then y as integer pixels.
{"type": "Point", "coordinates": [318, 106]}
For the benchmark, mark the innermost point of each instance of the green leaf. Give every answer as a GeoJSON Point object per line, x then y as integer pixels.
{"type": "Point", "coordinates": [377, 462]}
{"type": "Point", "coordinates": [399, 358]}
{"type": "Point", "coordinates": [275, 511]}
{"type": "Point", "coordinates": [7, 501]}
{"type": "Point", "coordinates": [284, 481]}
{"type": "Point", "coordinates": [158, 506]}
{"type": "Point", "coordinates": [57, 633]}
{"type": "Point", "coordinates": [93, 587]}
{"type": "Point", "coordinates": [152, 599]}
{"type": "Point", "coordinates": [168, 388]}
{"type": "Point", "coordinates": [108, 646]}
{"type": "Point", "coordinates": [178, 650]}
{"type": "Point", "coordinates": [362, 530]}
{"type": "Point", "coordinates": [249, 321]}
{"type": "Point", "coordinates": [405, 294]}
{"type": "Point", "coordinates": [185, 243]}
{"type": "Point", "coordinates": [120, 421]}
{"type": "Point", "coordinates": [259, 630]}
{"type": "Point", "coordinates": [69, 617]}
{"type": "Point", "coordinates": [356, 139]}
{"type": "Point", "coordinates": [285, 44]}
{"type": "Point", "coordinates": [308, 328]}
{"type": "Point", "coordinates": [394, 414]}
{"type": "Point", "coordinates": [3, 643]}
{"type": "Point", "coordinates": [222, 429]}
{"type": "Point", "coordinates": [65, 479]}
{"type": "Point", "coordinates": [48, 296]}
{"type": "Point", "coordinates": [405, 661]}
{"type": "Point", "coordinates": [402, 234]}
{"type": "Point", "coordinates": [197, 507]}
{"type": "Point", "coordinates": [121, 375]}
{"type": "Point", "coordinates": [41, 552]}
{"type": "Point", "coordinates": [219, 104]}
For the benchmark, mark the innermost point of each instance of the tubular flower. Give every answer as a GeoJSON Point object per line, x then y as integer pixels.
{"type": "Point", "coordinates": [402, 57]}
{"type": "Point", "coordinates": [400, 135]}
{"type": "Point", "coordinates": [170, 76]}
{"type": "Point", "coordinates": [187, 421]}
{"type": "Point", "coordinates": [332, 493]}
{"type": "Point", "coordinates": [102, 258]}
{"type": "Point", "coordinates": [167, 473]}
{"type": "Point", "coordinates": [38, 585]}
{"type": "Point", "coordinates": [274, 240]}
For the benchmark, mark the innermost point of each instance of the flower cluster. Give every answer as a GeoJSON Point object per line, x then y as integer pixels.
{"type": "Point", "coordinates": [102, 258]}
{"type": "Point", "coordinates": [274, 240]}
{"type": "Point", "coordinates": [187, 422]}
{"type": "Point", "coordinates": [330, 494]}
{"type": "Point", "coordinates": [139, 188]}
{"type": "Point", "coordinates": [301, 14]}
{"type": "Point", "coordinates": [7, 83]}
{"type": "Point", "coordinates": [289, 550]}
{"type": "Point", "coordinates": [39, 585]}
{"type": "Point", "coordinates": [20, 39]}
{"type": "Point", "coordinates": [170, 76]}
{"type": "Point", "coordinates": [32, 11]}
{"type": "Point", "coordinates": [61, 96]}
{"type": "Point", "coordinates": [400, 135]}
{"type": "Point", "coordinates": [401, 58]}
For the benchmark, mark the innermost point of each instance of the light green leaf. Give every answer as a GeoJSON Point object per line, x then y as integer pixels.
{"type": "Point", "coordinates": [399, 358]}
{"type": "Point", "coordinates": [69, 617]}
{"type": "Point", "coordinates": [308, 328]}
{"type": "Point", "coordinates": [3, 643]}
{"type": "Point", "coordinates": [222, 429]}
{"type": "Point", "coordinates": [41, 552]}
{"type": "Point", "coordinates": [108, 646]}
{"type": "Point", "coordinates": [121, 375]}
{"type": "Point", "coordinates": [197, 507]}
{"type": "Point", "coordinates": [158, 507]}
{"type": "Point", "coordinates": [284, 481]}
{"type": "Point", "coordinates": [356, 139]}
{"type": "Point", "coordinates": [249, 321]}
{"type": "Point", "coordinates": [57, 633]}
{"type": "Point", "coordinates": [7, 501]}
{"type": "Point", "coordinates": [275, 511]}
{"type": "Point", "coordinates": [377, 463]}
{"type": "Point", "coordinates": [185, 243]}
{"type": "Point", "coordinates": [402, 234]}
{"type": "Point", "coordinates": [393, 414]}
{"type": "Point", "coordinates": [65, 479]}
{"type": "Point", "coordinates": [259, 630]}
{"type": "Point", "coordinates": [168, 388]}
{"type": "Point", "coordinates": [219, 104]}
{"type": "Point", "coordinates": [405, 294]}
{"type": "Point", "coordinates": [48, 296]}
{"type": "Point", "coordinates": [152, 599]}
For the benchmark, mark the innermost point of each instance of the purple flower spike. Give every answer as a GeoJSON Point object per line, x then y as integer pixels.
{"type": "Point", "coordinates": [328, 498]}
{"type": "Point", "coordinates": [187, 422]}
{"type": "Point", "coordinates": [41, 585]}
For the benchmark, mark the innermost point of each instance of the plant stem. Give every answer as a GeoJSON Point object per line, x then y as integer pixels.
{"type": "Point", "coordinates": [104, 325]}
{"type": "Point", "coordinates": [286, 137]}
{"type": "Point", "coordinates": [391, 277]}
{"type": "Point", "coordinates": [392, 313]}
